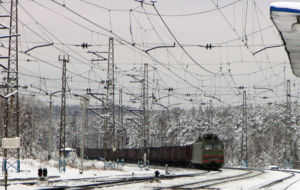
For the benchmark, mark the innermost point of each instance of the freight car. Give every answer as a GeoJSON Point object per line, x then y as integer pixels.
{"type": "Point", "coordinates": [207, 153]}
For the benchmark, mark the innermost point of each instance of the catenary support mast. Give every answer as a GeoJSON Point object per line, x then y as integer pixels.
{"type": "Point", "coordinates": [62, 137]}
{"type": "Point", "coordinates": [110, 87]}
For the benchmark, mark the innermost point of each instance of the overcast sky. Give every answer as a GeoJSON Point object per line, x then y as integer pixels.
{"type": "Point", "coordinates": [235, 28]}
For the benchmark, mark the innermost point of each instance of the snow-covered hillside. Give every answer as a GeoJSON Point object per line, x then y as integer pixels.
{"type": "Point", "coordinates": [272, 134]}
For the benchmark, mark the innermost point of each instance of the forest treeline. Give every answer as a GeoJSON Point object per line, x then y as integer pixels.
{"type": "Point", "coordinates": [271, 132]}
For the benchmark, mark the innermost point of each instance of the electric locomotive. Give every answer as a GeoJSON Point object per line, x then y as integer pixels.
{"type": "Point", "coordinates": [206, 153]}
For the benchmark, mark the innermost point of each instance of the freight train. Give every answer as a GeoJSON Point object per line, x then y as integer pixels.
{"type": "Point", "coordinates": [206, 153]}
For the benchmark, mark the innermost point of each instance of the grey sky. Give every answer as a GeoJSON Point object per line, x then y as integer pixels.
{"type": "Point", "coordinates": [232, 63]}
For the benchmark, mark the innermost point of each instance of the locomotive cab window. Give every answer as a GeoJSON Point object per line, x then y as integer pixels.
{"type": "Point", "coordinates": [218, 147]}
{"type": "Point", "coordinates": [208, 146]}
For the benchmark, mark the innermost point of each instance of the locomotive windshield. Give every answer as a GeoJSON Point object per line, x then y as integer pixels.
{"type": "Point", "coordinates": [218, 146]}
{"type": "Point", "coordinates": [208, 146]}
{"type": "Point", "coordinates": [213, 146]}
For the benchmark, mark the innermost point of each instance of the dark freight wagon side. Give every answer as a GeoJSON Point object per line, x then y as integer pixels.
{"type": "Point", "coordinates": [207, 152]}
{"type": "Point", "coordinates": [175, 156]}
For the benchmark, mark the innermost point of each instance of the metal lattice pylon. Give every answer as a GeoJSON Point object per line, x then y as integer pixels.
{"type": "Point", "coordinates": [110, 93]}
{"type": "Point", "coordinates": [11, 128]}
{"type": "Point", "coordinates": [288, 112]}
{"type": "Point", "coordinates": [145, 106]}
{"type": "Point", "coordinates": [244, 140]}
{"type": "Point", "coordinates": [12, 73]}
{"type": "Point", "coordinates": [62, 137]}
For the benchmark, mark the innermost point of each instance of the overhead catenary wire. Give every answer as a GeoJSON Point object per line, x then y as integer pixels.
{"type": "Point", "coordinates": [166, 15]}
{"type": "Point", "coordinates": [164, 44]}
{"type": "Point", "coordinates": [122, 40]}
{"type": "Point", "coordinates": [61, 43]}
{"type": "Point", "coordinates": [45, 29]}
{"type": "Point", "coordinates": [166, 69]}
{"type": "Point", "coordinates": [183, 49]}
{"type": "Point", "coordinates": [226, 21]}
{"type": "Point", "coordinates": [261, 36]}
{"type": "Point", "coordinates": [246, 45]}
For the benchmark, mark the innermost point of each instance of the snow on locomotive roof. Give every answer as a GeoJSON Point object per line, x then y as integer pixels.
{"type": "Point", "coordinates": [286, 18]}
{"type": "Point", "coordinates": [291, 7]}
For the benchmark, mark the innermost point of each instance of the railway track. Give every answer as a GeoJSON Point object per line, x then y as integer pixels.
{"type": "Point", "coordinates": [291, 184]}
{"type": "Point", "coordinates": [97, 182]}
{"type": "Point", "coordinates": [289, 181]}
{"type": "Point", "coordinates": [268, 181]}
{"type": "Point", "coordinates": [208, 183]}
{"type": "Point", "coordinates": [277, 181]}
{"type": "Point", "coordinates": [118, 181]}
{"type": "Point", "coordinates": [201, 180]}
{"type": "Point", "coordinates": [26, 181]}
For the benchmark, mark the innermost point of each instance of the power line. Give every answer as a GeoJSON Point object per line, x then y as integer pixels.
{"type": "Point", "coordinates": [48, 32]}
{"type": "Point", "coordinates": [164, 45]}
{"type": "Point", "coordinates": [183, 49]}
{"type": "Point", "coordinates": [164, 15]}
{"type": "Point", "coordinates": [120, 39]}
{"type": "Point", "coordinates": [243, 41]}
{"type": "Point", "coordinates": [167, 68]}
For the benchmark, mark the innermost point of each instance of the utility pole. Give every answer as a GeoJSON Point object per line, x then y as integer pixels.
{"type": "Point", "coordinates": [145, 107]}
{"type": "Point", "coordinates": [162, 133]}
{"type": "Point", "coordinates": [143, 99]}
{"type": "Point", "coordinates": [12, 104]}
{"type": "Point", "coordinates": [50, 127]}
{"type": "Point", "coordinates": [210, 114]}
{"type": "Point", "coordinates": [105, 136]}
{"type": "Point", "coordinates": [33, 127]}
{"type": "Point", "coordinates": [244, 143]}
{"type": "Point", "coordinates": [110, 89]}
{"type": "Point", "coordinates": [13, 67]}
{"type": "Point", "coordinates": [287, 152]}
{"type": "Point", "coordinates": [62, 137]}
{"type": "Point", "coordinates": [50, 149]}
{"type": "Point", "coordinates": [121, 124]}
{"type": "Point", "coordinates": [84, 102]}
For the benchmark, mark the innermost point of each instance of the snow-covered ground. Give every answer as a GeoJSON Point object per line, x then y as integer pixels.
{"type": "Point", "coordinates": [95, 169]}
{"type": "Point", "coordinates": [256, 182]}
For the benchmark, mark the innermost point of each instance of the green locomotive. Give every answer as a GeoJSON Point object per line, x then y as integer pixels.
{"type": "Point", "coordinates": [206, 153]}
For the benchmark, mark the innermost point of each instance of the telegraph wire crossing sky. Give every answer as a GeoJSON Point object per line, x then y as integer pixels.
{"type": "Point", "coordinates": [197, 51]}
